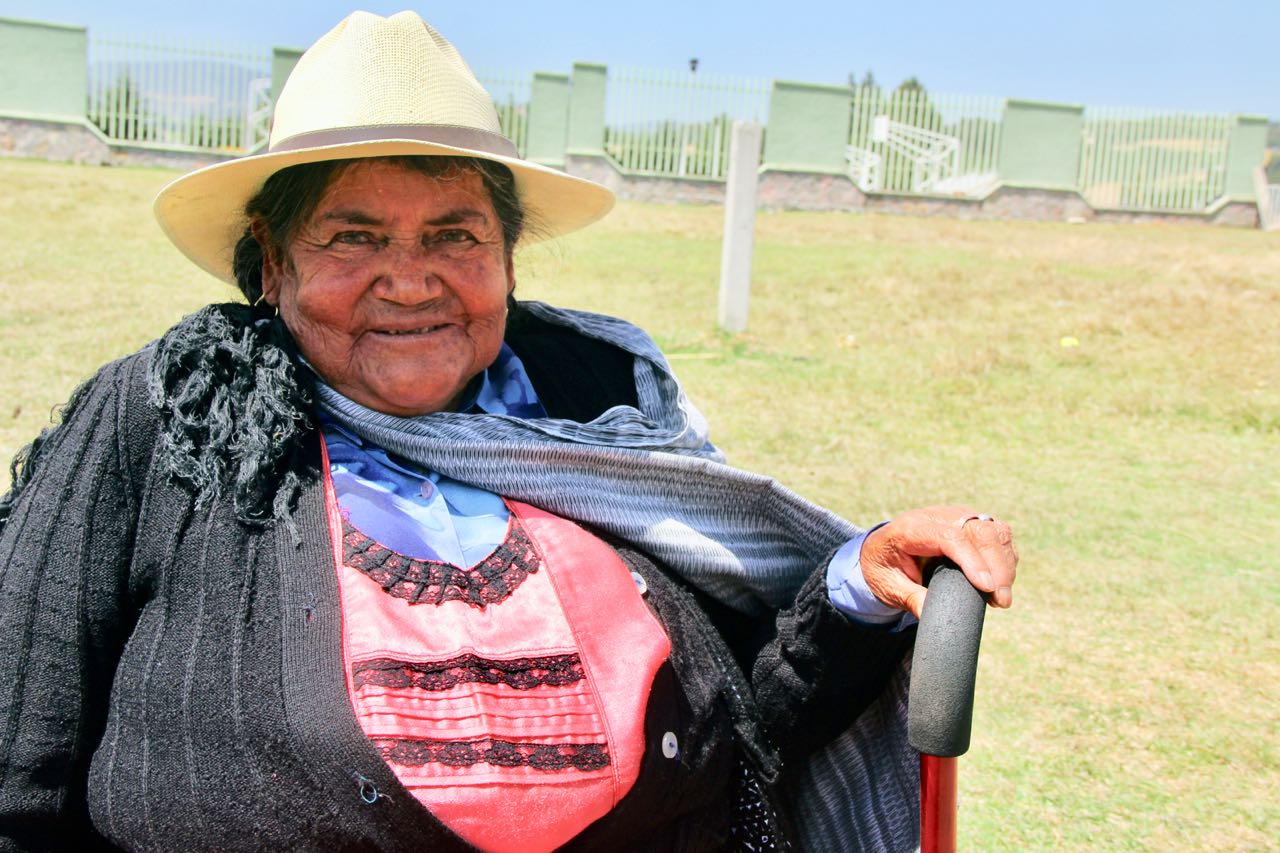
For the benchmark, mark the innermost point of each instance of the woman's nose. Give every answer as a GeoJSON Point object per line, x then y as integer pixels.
{"type": "Point", "coordinates": [409, 273]}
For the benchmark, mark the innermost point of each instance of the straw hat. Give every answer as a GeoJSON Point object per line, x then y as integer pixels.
{"type": "Point", "coordinates": [370, 87]}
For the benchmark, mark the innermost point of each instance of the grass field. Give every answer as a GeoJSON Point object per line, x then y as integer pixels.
{"type": "Point", "coordinates": [1131, 698]}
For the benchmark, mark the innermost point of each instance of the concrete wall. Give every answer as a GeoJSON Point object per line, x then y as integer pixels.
{"type": "Point", "coordinates": [1246, 151]}
{"type": "Point", "coordinates": [808, 128]}
{"type": "Point", "coordinates": [1040, 144]}
{"type": "Point", "coordinates": [43, 69]}
{"type": "Point", "coordinates": [282, 61]}
{"type": "Point", "coordinates": [586, 109]}
{"type": "Point", "coordinates": [548, 119]}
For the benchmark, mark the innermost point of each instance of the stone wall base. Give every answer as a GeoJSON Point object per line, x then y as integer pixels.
{"type": "Point", "coordinates": [1010, 203]}
{"type": "Point", "coordinates": [652, 188]}
{"type": "Point", "coordinates": [808, 191]}
{"type": "Point", "coordinates": [72, 142]}
{"type": "Point", "coordinates": [52, 140]}
{"type": "Point", "coordinates": [1236, 214]}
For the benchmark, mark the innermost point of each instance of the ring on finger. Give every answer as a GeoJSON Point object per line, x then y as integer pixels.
{"type": "Point", "coordinates": [979, 517]}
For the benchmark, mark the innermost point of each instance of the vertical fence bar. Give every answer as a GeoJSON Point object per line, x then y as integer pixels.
{"type": "Point", "coordinates": [158, 75]}
{"type": "Point", "coordinates": [1189, 165]}
{"type": "Point", "coordinates": [227, 120]}
{"type": "Point", "coordinates": [1124, 159]}
{"type": "Point", "coordinates": [200, 124]}
{"type": "Point", "coordinates": [669, 122]}
{"type": "Point", "coordinates": [114, 94]}
{"type": "Point", "coordinates": [109, 96]}
{"type": "Point", "coordinates": [1143, 159]}
{"type": "Point", "coordinates": [1145, 152]}
{"type": "Point", "coordinates": [1142, 156]}
{"type": "Point", "coordinates": [1155, 143]}
{"type": "Point", "coordinates": [1111, 177]}
{"type": "Point", "coordinates": [1162, 175]}
{"type": "Point", "coordinates": [1119, 133]}
{"type": "Point", "coordinates": [1176, 159]}
{"type": "Point", "coordinates": [142, 90]}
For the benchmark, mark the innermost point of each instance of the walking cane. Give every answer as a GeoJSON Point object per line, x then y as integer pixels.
{"type": "Point", "coordinates": [940, 701]}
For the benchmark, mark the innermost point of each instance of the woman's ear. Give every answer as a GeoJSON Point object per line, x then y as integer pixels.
{"type": "Point", "coordinates": [272, 266]}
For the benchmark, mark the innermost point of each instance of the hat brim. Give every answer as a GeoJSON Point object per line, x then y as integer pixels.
{"type": "Point", "coordinates": [203, 212]}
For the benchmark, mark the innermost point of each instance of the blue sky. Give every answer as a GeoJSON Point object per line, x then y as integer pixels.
{"type": "Point", "coordinates": [1222, 56]}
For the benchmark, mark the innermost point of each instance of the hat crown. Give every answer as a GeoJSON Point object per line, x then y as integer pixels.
{"type": "Point", "coordinates": [370, 71]}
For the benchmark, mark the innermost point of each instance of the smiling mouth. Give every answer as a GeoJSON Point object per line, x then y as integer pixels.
{"type": "Point", "coordinates": [422, 330]}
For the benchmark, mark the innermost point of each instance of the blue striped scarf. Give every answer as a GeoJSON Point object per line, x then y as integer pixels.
{"type": "Point", "coordinates": [650, 476]}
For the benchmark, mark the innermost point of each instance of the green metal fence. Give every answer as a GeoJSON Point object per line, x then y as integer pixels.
{"type": "Point", "coordinates": [210, 99]}
{"type": "Point", "coordinates": [510, 92]}
{"type": "Point", "coordinates": [676, 123]}
{"type": "Point", "coordinates": [182, 97]}
{"type": "Point", "coordinates": [1142, 159]}
{"type": "Point", "coordinates": [914, 141]}
{"type": "Point", "coordinates": [219, 99]}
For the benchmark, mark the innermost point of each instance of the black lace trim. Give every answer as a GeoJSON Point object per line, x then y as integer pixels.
{"type": "Point", "coordinates": [754, 826]}
{"type": "Point", "coordinates": [490, 581]}
{"type": "Point", "coordinates": [550, 757]}
{"type": "Point", "coordinates": [520, 673]}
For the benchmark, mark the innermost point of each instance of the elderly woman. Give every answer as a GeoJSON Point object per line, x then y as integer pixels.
{"type": "Point", "coordinates": [389, 560]}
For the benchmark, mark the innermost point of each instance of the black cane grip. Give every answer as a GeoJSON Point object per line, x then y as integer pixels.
{"type": "Point", "coordinates": [945, 665]}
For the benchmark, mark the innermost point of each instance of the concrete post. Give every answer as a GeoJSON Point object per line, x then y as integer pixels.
{"type": "Point", "coordinates": [43, 70]}
{"type": "Point", "coordinates": [548, 119]}
{"type": "Point", "coordinates": [282, 61]}
{"type": "Point", "coordinates": [739, 224]}
{"type": "Point", "coordinates": [808, 128]}
{"type": "Point", "coordinates": [586, 109]}
{"type": "Point", "coordinates": [1040, 145]}
{"type": "Point", "coordinates": [1245, 152]}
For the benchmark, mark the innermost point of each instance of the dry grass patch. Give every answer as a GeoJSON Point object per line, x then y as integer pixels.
{"type": "Point", "coordinates": [1129, 700]}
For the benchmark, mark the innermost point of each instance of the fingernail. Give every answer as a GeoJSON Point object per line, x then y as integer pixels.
{"type": "Point", "coordinates": [984, 580]}
{"type": "Point", "coordinates": [1004, 596]}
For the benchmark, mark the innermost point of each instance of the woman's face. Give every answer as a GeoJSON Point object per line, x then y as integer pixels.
{"type": "Point", "coordinates": [395, 288]}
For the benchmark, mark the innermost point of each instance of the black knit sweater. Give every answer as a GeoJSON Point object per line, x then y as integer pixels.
{"type": "Point", "coordinates": [171, 675]}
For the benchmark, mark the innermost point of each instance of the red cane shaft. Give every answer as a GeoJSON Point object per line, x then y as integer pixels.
{"type": "Point", "coordinates": [937, 804]}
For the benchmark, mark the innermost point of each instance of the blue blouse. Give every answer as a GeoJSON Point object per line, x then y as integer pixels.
{"type": "Point", "coordinates": [431, 517]}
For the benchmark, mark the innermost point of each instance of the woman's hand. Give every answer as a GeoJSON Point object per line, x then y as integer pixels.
{"type": "Point", "coordinates": [980, 545]}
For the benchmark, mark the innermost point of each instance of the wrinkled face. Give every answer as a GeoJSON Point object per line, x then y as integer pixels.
{"type": "Point", "coordinates": [395, 288]}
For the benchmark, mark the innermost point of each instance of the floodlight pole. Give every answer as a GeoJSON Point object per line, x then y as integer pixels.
{"type": "Point", "coordinates": [739, 224]}
{"type": "Point", "coordinates": [688, 117]}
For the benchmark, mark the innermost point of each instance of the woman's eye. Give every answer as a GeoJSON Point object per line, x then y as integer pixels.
{"type": "Point", "coordinates": [353, 238]}
{"type": "Point", "coordinates": [455, 235]}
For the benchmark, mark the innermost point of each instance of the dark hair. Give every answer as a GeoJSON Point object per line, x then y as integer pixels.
{"type": "Point", "coordinates": [291, 195]}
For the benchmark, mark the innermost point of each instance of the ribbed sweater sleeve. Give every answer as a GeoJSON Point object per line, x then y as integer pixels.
{"type": "Point", "coordinates": [65, 552]}
{"type": "Point", "coordinates": [820, 670]}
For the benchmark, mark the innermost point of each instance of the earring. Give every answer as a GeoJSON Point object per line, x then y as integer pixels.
{"type": "Point", "coordinates": [261, 298]}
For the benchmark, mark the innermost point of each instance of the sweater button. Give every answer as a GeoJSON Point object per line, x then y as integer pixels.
{"type": "Point", "coordinates": [640, 584]}
{"type": "Point", "coordinates": [670, 746]}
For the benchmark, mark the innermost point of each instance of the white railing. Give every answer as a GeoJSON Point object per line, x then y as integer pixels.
{"type": "Point", "coordinates": [914, 141]}
{"type": "Point", "coordinates": [1268, 201]}
{"type": "Point", "coordinates": [257, 125]}
{"type": "Point", "coordinates": [934, 156]}
{"type": "Point", "coordinates": [865, 168]}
